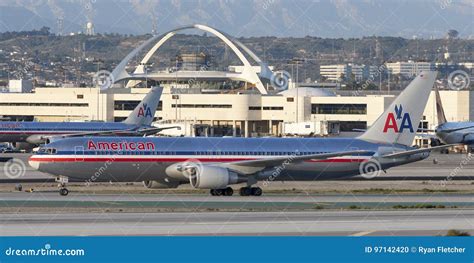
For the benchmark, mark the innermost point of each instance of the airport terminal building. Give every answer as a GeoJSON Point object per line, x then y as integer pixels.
{"type": "Point", "coordinates": [240, 101]}
{"type": "Point", "coordinates": [246, 115]}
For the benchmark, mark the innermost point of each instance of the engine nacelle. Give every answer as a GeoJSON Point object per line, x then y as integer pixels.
{"type": "Point", "coordinates": [37, 139]}
{"type": "Point", "coordinates": [211, 177]}
{"type": "Point", "coordinates": [23, 146]}
{"type": "Point", "coordinates": [162, 184]}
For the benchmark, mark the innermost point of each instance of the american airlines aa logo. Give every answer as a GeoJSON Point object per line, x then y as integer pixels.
{"type": "Point", "coordinates": [144, 111]}
{"type": "Point", "coordinates": [398, 121]}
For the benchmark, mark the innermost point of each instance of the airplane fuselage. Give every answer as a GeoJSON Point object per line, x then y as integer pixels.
{"type": "Point", "coordinates": [142, 159]}
{"type": "Point", "coordinates": [456, 132]}
{"type": "Point", "coordinates": [32, 132]}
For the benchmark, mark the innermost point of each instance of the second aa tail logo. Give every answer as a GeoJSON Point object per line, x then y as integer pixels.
{"type": "Point", "coordinates": [398, 121]}
{"type": "Point", "coordinates": [144, 111]}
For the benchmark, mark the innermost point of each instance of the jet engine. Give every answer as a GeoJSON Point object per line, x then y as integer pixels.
{"type": "Point", "coordinates": [162, 184]}
{"type": "Point", "coordinates": [212, 177]}
{"type": "Point", "coordinates": [37, 139]}
{"type": "Point", "coordinates": [23, 146]}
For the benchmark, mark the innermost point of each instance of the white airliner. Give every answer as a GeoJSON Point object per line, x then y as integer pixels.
{"type": "Point", "coordinates": [218, 163]}
{"type": "Point", "coordinates": [26, 135]}
{"type": "Point", "coordinates": [452, 132]}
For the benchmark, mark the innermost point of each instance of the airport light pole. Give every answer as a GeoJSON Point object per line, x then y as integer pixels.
{"type": "Point", "coordinates": [297, 62]}
{"type": "Point", "coordinates": [145, 69]}
{"type": "Point", "coordinates": [98, 62]}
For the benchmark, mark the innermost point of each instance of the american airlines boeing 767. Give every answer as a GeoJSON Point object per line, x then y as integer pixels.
{"type": "Point", "coordinates": [218, 163]}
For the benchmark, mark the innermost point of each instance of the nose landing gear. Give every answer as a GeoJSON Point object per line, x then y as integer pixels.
{"type": "Point", "coordinates": [62, 182]}
{"type": "Point", "coordinates": [63, 191]}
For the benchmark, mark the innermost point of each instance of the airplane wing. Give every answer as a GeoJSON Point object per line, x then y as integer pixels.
{"type": "Point", "coordinates": [424, 130]}
{"type": "Point", "coordinates": [149, 131]}
{"type": "Point", "coordinates": [251, 166]}
{"type": "Point", "coordinates": [457, 129]}
{"type": "Point", "coordinates": [98, 133]}
{"type": "Point", "coordinates": [416, 151]}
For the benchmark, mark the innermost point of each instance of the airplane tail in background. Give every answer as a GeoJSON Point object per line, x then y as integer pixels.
{"type": "Point", "coordinates": [399, 123]}
{"type": "Point", "coordinates": [144, 113]}
{"type": "Point", "coordinates": [439, 108]}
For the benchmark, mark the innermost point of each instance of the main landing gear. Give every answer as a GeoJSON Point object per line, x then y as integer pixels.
{"type": "Point", "coordinates": [247, 191]}
{"type": "Point", "coordinates": [225, 192]}
{"type": "Point", "coordinates": [244, 191]}
{"type": "Point", "coordinates": [62, 182]}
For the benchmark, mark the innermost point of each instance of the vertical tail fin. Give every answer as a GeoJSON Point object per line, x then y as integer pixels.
{"type": "Point", "coordinates": [399, 123]}
{"type": "Point", "coordinates": [144, 113]}
{"type": "Point", "coordinates": [439, 107]}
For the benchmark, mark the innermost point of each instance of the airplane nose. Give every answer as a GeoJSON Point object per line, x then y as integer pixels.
{"type": "Point", "coordinates": [34, 163]}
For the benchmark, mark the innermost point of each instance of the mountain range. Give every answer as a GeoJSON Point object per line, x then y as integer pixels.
{"type": "Point", "coordinates": [281, 18]}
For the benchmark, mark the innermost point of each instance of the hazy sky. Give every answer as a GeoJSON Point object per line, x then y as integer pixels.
{"type": "Point", "coordinates": [324, 18]}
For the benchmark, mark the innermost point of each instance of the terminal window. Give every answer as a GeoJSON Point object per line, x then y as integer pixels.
{"type": "Point", "coordinates": [272, 108]}
{"type": "Point", "coordinates": [131, 104]}
{"type": "Point", "coordinates": [255, 108]}
{"type": "Point", "coordinates": [201, 106]}
{"type": "Point", "coordinates": [126, 104]}
{"type": "Point", "coordinates": [339, 109]}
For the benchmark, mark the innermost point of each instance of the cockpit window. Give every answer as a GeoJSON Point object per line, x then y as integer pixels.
{"type": "Point", "coordinates": [47, 150]}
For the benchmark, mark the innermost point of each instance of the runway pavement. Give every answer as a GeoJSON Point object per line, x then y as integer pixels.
{"type": "Point", "coordinates": [268, 198]}
{"type": "Point", "coordinates": [358, 223]}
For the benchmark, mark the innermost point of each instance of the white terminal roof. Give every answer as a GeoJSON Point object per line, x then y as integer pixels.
{"type": "Point", "coordinates": [305, 91]}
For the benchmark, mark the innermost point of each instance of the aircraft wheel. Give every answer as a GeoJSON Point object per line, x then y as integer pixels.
{"type": "Point", "coordinates": [256, 191]}
{"type": "Point", "coordinates": [213, 192]}
{"type": "Point", "coordinates": [245, 191]}
{"type": "Point", "coordinates": [218, 192]}
{"type": "Point", "coordinates": [63, 191]}
{"type": "Point", "coordinates": [228, 191]}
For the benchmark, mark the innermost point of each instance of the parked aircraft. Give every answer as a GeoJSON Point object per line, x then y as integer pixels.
{"type": "Point", "coordinates": [452, 132]}
{"type": "Point", "coordinates": [26, 135]}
